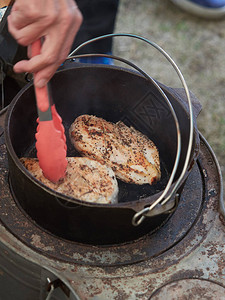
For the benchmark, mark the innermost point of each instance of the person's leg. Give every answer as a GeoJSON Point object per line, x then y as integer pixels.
{"type": "Point", "coordinates": [204, 8]}
{"type": "Point", "coordinates": [99, 18]}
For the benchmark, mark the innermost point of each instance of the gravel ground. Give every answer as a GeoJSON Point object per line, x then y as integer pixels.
{"type": "Point", "coordinates": [196, 45]}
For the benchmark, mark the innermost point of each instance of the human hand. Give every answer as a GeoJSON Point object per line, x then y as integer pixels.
{"type": "Point", "coordinates": [56, 22]}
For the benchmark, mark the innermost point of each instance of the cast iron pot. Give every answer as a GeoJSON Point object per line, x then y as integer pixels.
{"type": "Point", "coordinates": [114, 94]}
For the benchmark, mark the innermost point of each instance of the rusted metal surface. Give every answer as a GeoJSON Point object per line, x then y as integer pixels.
{"type": "Point", "coordinates": [190, 289]}
{"type": "Point", "coordinates": [187, 257]}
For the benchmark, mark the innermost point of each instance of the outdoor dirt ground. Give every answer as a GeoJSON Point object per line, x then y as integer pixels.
{"type": "Point", "coordinates": [196, 45]}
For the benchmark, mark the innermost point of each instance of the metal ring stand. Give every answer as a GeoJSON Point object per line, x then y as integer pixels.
{"type": "Point", "coordinates": [165, 196]}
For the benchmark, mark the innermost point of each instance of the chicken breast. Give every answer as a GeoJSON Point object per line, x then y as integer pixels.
{"type": "Point", "coordinates": [133, 156]}
{"type": "Point", "coordinates": [86, 179]}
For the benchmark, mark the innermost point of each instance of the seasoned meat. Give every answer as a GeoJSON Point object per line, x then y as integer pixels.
{"type": "Point", "coordinates": [133, 156]}
{"type": "Point", "coordinates": [86, 179]}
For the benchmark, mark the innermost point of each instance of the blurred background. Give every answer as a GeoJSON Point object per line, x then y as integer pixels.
{"type": "Point", "coordinates": [196, 45]}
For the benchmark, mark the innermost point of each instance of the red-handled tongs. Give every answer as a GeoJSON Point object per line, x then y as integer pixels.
{"type": "Point", "coordinates": [50, 136]}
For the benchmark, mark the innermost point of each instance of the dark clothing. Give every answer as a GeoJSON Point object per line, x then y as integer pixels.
{"type": "Point", "coordinates": [99, 18]}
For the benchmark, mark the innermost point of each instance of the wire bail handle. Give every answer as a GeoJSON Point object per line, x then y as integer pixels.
{"type": "Point", "coordinates": [165, 196]}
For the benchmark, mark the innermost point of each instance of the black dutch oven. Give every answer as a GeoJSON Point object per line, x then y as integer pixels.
{"type": "Point", "coordinates": [112, 93]}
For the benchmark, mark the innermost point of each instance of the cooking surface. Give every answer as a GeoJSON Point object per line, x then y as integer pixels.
{"type": "Point", "coordinates": [127, 192]}
{"type": "Point", "coordinates": [184, 255]}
